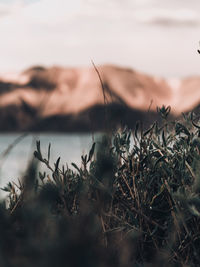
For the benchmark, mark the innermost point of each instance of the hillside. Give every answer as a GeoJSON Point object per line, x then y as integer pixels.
{"type": "Point", "coordinates": [73, 95]}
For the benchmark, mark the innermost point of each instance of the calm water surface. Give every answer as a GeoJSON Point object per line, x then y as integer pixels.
{"type": "Point", "coordinates": [69, 147]}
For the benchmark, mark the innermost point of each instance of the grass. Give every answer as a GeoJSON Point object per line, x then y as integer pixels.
{"type": "Point", "coordinates": [134, 201]}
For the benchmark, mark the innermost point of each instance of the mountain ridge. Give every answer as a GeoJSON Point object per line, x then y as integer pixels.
{"type": "Point", "coordinates": [58, 91]}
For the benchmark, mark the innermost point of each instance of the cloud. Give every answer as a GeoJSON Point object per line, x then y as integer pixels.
{"type": "Point", "coordinates": [4, 10]}
{"type": "Point", "coordinates": [71, 32]}
{"type": "Point", "coordinates": [168, 17]}
{"type": "Point", "coordinates": [12, 7]}
{"type": "Point", "coordinates": [52, 12]}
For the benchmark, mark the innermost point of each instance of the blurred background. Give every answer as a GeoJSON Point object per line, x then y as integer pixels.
{"type": "Point", "coordinates": [156, 37]}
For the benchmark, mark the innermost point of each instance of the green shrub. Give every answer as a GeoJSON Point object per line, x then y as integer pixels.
{"type": "Point", "coordinates": [134, 201]}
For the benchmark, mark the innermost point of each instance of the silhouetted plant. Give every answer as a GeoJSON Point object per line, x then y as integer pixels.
{"type": "Point", "coordinates": [135, 200]}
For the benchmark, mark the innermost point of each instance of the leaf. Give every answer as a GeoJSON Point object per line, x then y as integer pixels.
{"type": "Point", "coordinates": [156, 145]}
{"type": "Point", "coordinates": [162, 188]}
{"type": "Point", "coordinates": [195, 125]}
{"type": "Point", "coordinates": [163, 138]}
{"type": "Point", "coordinates": [149, 130]}
{"type": "Point", "coordinates": [56, 177]}
{"type": "Point", "coordinates": [83, 159]}
{"type": "Point", "coordinates": [159, 160]}
{"type": "Point", "coordinates": [42, 176]}
{"type": "Point", "coordinates": [49, 148]}
{"type": "Point", "coordinates": [130, 165]}
{"type": "Point", "coordinates": [164, 111]}
{"type": "Point", "coordinates": [75, 166]}
{"type": "Point", "coordinates": [180, 128]}
{"type": "Point", "coordinates": [7, 188]}
{"type": "Point", "coordinates": [37, 155]}
{"type": "Point", "coordinates": [57, 163]}
{"type": "Point", "coordinates": [129, 135]}
{"type": "Point", "coordinates": [156, 129]}
{"type": "Point", "coordinates": [91, 153]}
{"type": "Point", "coordinates": [38, 146]}
{"type": "Point", "coordinates": [136, 129]}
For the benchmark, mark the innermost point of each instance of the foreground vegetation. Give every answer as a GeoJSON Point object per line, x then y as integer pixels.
{"type": "Point", "coordinates": [134, 201]}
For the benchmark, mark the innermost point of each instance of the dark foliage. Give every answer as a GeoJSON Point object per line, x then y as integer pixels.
{"type": "Point", "coordinates": [134, 201]}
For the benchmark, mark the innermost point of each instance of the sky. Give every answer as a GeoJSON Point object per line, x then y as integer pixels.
{"type": "Point", "coordinates": [153, 36]}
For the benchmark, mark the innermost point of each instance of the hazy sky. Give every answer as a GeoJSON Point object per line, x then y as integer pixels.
{"type": "Point", "coordinates": [155, 36]}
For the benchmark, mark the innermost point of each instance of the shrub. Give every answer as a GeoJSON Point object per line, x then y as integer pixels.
{"type": "Point", "coordinates": [134, 201]}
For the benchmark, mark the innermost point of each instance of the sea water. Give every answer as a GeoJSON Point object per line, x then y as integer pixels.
{"type": "Point", "coordinates": [69, 147]}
